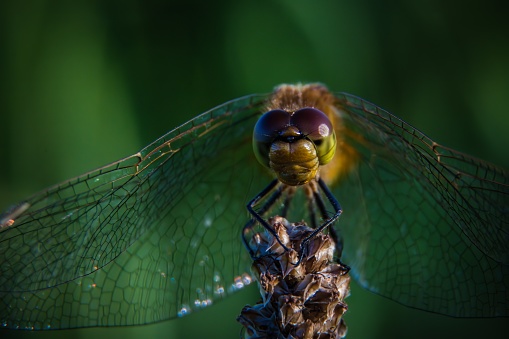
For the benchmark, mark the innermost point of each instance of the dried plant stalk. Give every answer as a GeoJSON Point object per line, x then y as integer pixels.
{"type": "Point", "coordinates": [298, 301]}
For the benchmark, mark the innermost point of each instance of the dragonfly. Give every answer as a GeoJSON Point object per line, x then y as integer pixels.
{"type": "Point", "coordinates": [157, 235]}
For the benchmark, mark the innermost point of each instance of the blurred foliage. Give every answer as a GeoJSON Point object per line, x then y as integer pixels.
{"type": "Point", "coordinates": [84, 83]}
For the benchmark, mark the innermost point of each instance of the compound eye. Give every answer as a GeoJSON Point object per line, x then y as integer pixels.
{"type": "Point", "coordinates": [266, 130]}
{"type": "Point", "coordinates": [312, 123]}
{"type": "Point", "coordinates": [269, 125]}
{"type": "Point", "coordinates": [317, 127]}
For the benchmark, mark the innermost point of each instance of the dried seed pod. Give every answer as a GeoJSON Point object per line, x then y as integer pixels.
{"type": "Point", "coordinates": [298, 301]}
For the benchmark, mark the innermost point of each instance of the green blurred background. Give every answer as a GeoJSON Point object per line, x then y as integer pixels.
{"type": "Point", "coordinates": [86, 83]}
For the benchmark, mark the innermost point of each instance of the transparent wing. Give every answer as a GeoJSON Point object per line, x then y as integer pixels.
{"type": "Point", "coordinates": [147, 238]}
{"type": "Point", "coordinates": [423, 225]}
{"type": "Point", "coordinates": [156, 235]}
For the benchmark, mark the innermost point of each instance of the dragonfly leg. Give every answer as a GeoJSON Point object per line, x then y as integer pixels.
{"type": "Point", "coordinates": [317, 198]}
{"type": "Point", "coordinates": [312, 196]}
{"type": "Point", "coordinates": [245, 231]}
{"type": "Point", "coordinates": [328, 221]}
{"type": "Point", "coordinates": [290, 192]}
{"type": "Point", "coordinates": [258, 214]}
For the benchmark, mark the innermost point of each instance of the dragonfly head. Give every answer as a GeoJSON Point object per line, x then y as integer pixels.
{"type": "Point", "coordinates": [294, 144]}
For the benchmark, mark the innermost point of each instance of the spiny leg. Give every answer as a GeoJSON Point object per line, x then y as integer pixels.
{"type": "Point", "coordinates": [258, 214]}
{"type": "Point", "coordinates": [318, 200]}
{"type": "Point", "coordinates": [328, 221]}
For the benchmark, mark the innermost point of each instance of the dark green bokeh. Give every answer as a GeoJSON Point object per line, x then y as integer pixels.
{"type": "Point", "coordinates": [84, 84]}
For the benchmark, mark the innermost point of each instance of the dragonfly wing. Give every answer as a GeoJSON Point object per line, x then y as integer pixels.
{"type": "Point", "coordinates": [423, 225]}
{"type": "Point", "coordinates": [147, 238]}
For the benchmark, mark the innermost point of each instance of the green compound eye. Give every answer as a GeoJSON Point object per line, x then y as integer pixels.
{"type": "Point", "coordinates": [317, 127]}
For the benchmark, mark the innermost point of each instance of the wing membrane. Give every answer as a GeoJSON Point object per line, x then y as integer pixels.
{"type": "Point", "coordinates": [140, 240]}
{"type": "Point", "coordinates": [423, 225]}
{"type": "Point", "coordinates": [157, 235]}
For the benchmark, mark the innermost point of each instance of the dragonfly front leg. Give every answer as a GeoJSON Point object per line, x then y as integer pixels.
{"type": "Point", "coordinates": [258, 215]}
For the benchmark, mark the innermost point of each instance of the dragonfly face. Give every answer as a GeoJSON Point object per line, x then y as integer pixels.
{"type": "Point", "coordinates": [294, 144]}
{"type": "Point", "coordinates": [157, 234]}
